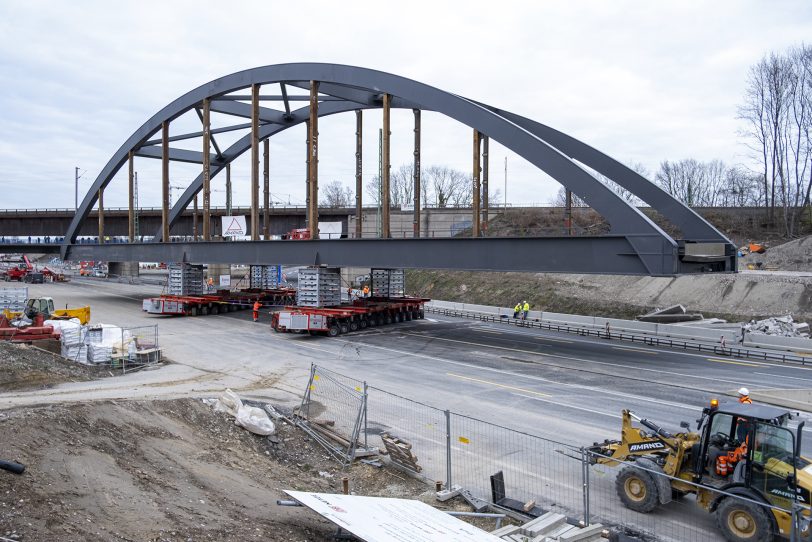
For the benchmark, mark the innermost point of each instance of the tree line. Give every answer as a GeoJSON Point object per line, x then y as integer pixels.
{"type": "Point", "coordinates": [440, 186]}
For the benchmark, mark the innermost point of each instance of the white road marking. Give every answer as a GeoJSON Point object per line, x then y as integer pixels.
{"type": "Point", "coordinates": [530, 377]}
{"type": "Point", "coordinates": [616, 416]}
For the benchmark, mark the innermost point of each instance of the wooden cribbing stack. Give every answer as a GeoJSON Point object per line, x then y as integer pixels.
{"type": "Point", "coordinates": [400, 452]}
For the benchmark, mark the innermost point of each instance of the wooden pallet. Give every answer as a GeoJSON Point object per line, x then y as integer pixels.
{"type": "Point", "coordinates": [400, 452]}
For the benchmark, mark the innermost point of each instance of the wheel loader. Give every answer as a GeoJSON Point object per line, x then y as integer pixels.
{"type": "Point", "coordinates": [746, 450]}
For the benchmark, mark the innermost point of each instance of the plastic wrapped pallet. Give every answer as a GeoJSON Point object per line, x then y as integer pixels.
{"type": "Point", "coordinates": [99, 353]}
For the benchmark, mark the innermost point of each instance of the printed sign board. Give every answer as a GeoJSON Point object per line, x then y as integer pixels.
{"type": "Point", "coordinates": [234, 226]}
{"type": "Point", "coordinates": [225, 280]}
{"type": "Point", "coordinates": [330, 230]}
{"type": "Point", "coordinates": [380, 519]}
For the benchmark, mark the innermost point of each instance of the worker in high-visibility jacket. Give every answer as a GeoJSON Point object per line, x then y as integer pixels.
{"type": "Point", "coordinates": [744, 396]}
{"type": "Point", "coordinates": [525, 310]}
{"type": "Point", "coordinates": [257, 306]}
{"type": "Point", "coordinates": [517, 309]}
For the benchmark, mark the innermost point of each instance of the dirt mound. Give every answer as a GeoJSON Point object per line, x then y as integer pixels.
{"type": "Point", "coordinates": [25, 367]}
{"type": "Point", "coordinates": [795, 255]}
{"type": "Point", "coordinates": [165, 471]}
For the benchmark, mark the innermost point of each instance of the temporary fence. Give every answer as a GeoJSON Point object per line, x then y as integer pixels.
{"type": "Point", "coordinates": [497, 466]}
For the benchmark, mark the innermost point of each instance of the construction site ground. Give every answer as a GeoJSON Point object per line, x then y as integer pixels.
{"type": "Point", "coordinates": [554, 385]}
{"type": "Point", "coordinates": [158, 470]}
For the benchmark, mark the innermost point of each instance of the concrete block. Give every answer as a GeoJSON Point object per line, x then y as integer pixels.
{"type": "Point", "coordinates": [544, 524]}
{"type": "Point", "coordinates": [563, 529]}
{"type": "Point", "coordinates": [583, 534]}
{"type": "Point", "coordinates": [446, 494]}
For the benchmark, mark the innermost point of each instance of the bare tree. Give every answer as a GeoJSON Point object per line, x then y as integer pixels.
{"type": "Point", "coordinates": [449, 187]}
{"type": "Point", "coordinates": [336, 194]}
{"type": "Point", "coordinates": [697, 184]}
{"type": "Point", "coordinates": [778, 110]}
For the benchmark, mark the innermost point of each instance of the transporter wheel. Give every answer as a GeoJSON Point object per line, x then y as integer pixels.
{"type": "Point", "coordinates": [333, 330]}
{"type": "Point", "coordinates": [421, 314]}
{"type": "Point", "coordinates": [353, 325]}
{"type": "Point", "coordinates": [193, 311]}
{"type": "Point", "coordinates": [215, 309]}
{"type": "Point", "coordinates": [373, 321]}
{"type": "Point", "coordinates": [363, 323]}
{"type": "Point", "coordinates": [398, 317]}
{"type": "Point", "coordinates": [388, 319]}
{"type": "Point", "coordinates": [204, 311]}
{"type": "Point", "coordinates": [742, 521]}
{"type": "Point", "coordinates": [636, 489]}
{"type": "Point", "coordinates": [344, 327]}
{"type": "Point", "coordinates": [409, 316]}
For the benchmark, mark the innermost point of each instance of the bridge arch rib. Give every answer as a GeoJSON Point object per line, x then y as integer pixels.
{"type": "Point", "coordinates": [349, 88]}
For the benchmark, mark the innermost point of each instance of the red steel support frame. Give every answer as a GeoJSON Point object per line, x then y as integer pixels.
{"type": "Point", "coordinates": [417, 200]}
{"type": "Point", "coordinates": [313, 226]}
{"type": "Point", "coordinates": [206, 170]}
{"type": "Point", "coordinates": [385, 230]}
{"type": "Point", "coordinates": [165, 181]}
{"type": "Point", "coordinates": [359, 131]}
{"type": "Point", "coordinates": [255, 162]}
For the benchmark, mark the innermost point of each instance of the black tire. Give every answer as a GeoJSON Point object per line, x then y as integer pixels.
{"type": "Point", "coordinates": [409, 316]}
{"type": "Point", "coordinates": [421, 315]}
{"type": "Point", "coordinates": [398, 318]}
{"type": "Point", "coordinates": [204, 311]}
{"type": "Point", "coordinates": [363, 323]}
{"type": "Point", "coordinates": [637, 490]}
{"type": "Point", "coordinates": [388, 319]}
{"type": "Point", "coordinates": [373, 321]}
{"type": "Point", "coordinates": [344, 327]}
{"type": "Point", "coordinates": [353, 325]}
{"type": "Point", "coordinates": [741, 521]}
{"type": "Point", "coordinates": [193, 311]}
{"type": "Point", "coordinates": [333, 330]}
{"type": "Point", "coordinates": [215, 309]}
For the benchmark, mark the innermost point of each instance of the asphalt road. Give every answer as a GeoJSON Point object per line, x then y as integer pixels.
{"type": "Point", "coordinates": [551, 389]}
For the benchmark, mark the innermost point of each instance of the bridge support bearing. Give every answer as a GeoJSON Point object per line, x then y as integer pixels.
{"type": "Point", "coordinates": [123, 269]}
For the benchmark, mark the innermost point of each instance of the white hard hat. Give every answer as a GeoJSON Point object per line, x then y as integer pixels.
{"type": "Point", "coordinates": [744, 391]}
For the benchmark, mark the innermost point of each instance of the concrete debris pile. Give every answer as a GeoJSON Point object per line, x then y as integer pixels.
{"type": "Point", "coordinates": [670, 315]}
{"type": "Point", "coordinates": [550, 527]}
{"type": "Point", "coordinates": [783, 326]}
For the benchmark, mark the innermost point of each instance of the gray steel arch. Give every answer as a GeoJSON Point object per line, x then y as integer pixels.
{"type": "Point", "coordinates": [357, 88]}
{"type": "Point", "coordinates": [363, 86]}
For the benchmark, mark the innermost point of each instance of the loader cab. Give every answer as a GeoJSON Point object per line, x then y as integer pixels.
{"type": "Point", "coordinates": [36, 305]}
{"type": "Point", "coordinates": [750, 446]}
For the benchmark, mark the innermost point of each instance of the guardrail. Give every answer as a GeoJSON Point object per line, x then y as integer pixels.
{"type": "Point", "coordinates": [613, 333]}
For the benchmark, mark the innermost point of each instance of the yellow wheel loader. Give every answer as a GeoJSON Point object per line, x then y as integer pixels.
{"type": "Point", "coordinates": [45, 305]}
{"type": "Point", "coordinates": [745, 450]}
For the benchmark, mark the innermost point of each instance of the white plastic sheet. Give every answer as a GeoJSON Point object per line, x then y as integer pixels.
{"type": "Point", "coordinates": [251, 418]}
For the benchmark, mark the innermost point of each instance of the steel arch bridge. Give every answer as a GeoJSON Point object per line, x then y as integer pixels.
{"type": "Point", "coordinates": [634, 244]}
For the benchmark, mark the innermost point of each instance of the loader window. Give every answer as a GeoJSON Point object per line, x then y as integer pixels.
{"type": "Point", "coordinates": [722, 424]}
{"type": "Point", "coordinates": [773, 470]}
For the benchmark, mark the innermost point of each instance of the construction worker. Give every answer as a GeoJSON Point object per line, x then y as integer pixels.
{"type": "Point", "coordinates": [744, 396]}
{"type": "Point", "coordinates": [366, 290]}
{"type": "Point", "coordinates": [525, 310]}
{"type": "Point", "coordinates": [210, 284]}
{"type": "Point", "coordinates": [257, 306]}
{"type": "Point", "coordinates": [517, 309]}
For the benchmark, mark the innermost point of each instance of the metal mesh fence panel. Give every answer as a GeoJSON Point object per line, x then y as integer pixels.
{"type": "Point", "coordinates": [534, 469]}
{"type": "Point", "coordinates": [421, 425]}
{"type": "Point", "coordinates": [680, 520]}
{"type": "Point", "coordinates": [333, 404]}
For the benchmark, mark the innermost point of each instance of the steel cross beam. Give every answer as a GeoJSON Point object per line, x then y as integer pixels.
{"type": "Point", "coordinates": [616, 254]}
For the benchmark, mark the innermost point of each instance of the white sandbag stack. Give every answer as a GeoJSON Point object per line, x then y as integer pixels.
{"type": "Point", "coordinates": [73, 345]}
{"type": "Point", "coordinates": [99, 353]}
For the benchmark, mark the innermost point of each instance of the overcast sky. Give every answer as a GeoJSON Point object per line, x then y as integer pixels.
{"type": "Point", "coordinates": [642, 81]}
